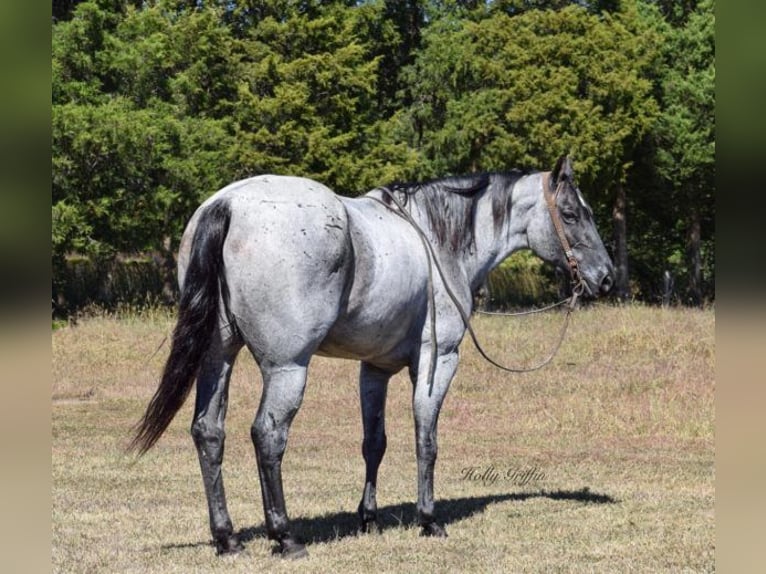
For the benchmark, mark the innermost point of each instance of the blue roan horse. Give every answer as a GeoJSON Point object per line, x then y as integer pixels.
{"type": "Point", "coordinates": [289, 269]}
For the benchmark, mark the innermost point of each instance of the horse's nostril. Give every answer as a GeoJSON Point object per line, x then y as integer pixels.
{"type": "Point", "coordinates": [606, 284]}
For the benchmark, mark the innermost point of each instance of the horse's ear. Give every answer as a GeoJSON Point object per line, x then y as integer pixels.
{"type": "Point", "coordinates": [563, 170]}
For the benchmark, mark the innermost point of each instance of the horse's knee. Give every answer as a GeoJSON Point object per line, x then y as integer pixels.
{"type": "Point", "coordinates": [257, 433]}
{"type": "Point", "coordinates": [427, 446]}
{"type": "Point", "coordinates": [270, 441]}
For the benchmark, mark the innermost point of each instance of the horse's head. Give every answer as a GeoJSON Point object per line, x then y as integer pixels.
{"type": "Point", "coordinates": [562, 200]}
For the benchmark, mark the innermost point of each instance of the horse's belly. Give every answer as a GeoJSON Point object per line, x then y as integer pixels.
{"type": "Point", "coordinates": [382, 319]}
{"type": "Point", "coordinates": [386, 341]}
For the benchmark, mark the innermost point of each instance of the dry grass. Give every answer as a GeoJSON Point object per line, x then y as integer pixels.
{"type": "Point", "coordinates": [618, 430]}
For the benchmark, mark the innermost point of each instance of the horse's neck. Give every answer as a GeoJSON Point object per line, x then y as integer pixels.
{"type": "Point", "coordinates": [493, 244]}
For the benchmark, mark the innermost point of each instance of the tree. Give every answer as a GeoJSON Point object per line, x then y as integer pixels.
{"type": "Point", "coordinates": [307, 99]}
{"type": "Point", "coordinates": [686, 137]}
{"type": "Point", "coordinates": [140, 134]}
{"type": "Point", "coordinates": [497, 91]}
{"type": "Point", "coordinates": [404, 22]}
{"type": "Point", "coordinates": [62, 9]}
{"type": "Point", "coordinates": [156, 104]}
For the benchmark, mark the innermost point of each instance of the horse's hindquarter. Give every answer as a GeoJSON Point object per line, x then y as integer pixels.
{"type": "Point", "coordinates": [310, 271]}
{"type": "Point", "coordinates": [288, 260]}
{"type": "Point", "coordinates": [383, 313]}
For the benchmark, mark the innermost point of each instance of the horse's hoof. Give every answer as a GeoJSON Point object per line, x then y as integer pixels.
{"type": "Point", "coordinates": [291, 550]}
{"type": "Point", "coordinates": [433, 529]}
{"type": "Point", "coordinates": [228, 545]}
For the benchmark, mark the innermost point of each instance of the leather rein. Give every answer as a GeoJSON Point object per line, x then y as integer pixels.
{"type": "Point", "coordinates": [578, 284]}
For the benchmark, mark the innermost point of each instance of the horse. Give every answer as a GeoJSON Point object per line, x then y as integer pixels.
{"type": "Point", "coordinates": [287, 268]}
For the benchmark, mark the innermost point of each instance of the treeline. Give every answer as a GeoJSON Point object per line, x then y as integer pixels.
{"type": "Point", "coordinates": [157, 104]}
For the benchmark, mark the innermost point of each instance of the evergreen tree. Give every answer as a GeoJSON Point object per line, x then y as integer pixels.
{"type": "Point", "coordinates": [686, 142]}
{"type": "Point", "coordinates": [140, 133]}
{"type": "Point", "coordinates": [158, 103]}
{"type": "Point", "coordinates": [307, 100]}
{"type": "Point", "coordinates": [503, 90]}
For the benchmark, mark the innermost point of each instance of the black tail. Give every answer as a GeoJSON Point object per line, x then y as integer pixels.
{"type": "Point", "coordinates": [203, 287]}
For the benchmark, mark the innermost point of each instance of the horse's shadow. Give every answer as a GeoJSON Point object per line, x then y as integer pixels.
{"type": "Point", "coordinates": [339, 525]}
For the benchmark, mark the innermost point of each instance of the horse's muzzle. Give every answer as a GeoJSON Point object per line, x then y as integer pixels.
{"type": "Point", "coordinates": [606, 284]}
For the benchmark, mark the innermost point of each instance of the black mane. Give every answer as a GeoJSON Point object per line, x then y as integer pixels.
{"type": "Point", "coordinates": [449, 203]}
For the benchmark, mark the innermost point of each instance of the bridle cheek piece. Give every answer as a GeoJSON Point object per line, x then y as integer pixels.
{"type": "Point", "coordinates": [578, 283]}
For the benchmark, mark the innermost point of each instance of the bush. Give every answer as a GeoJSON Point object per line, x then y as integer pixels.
{"type": "Point", "coordinates": [522, 280]}
{"type": "Point", "coordinates": [134, 281]}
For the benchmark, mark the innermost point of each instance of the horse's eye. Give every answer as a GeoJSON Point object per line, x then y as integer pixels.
{"type": "Point", "coordinates": [569, 216]}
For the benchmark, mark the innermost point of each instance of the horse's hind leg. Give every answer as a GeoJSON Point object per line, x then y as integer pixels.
{"type": "Point", "coordinates": [283, 387]}
{"type": "Point", "coordinates": [373, 384]}
{"type": "Point", "coordinates": [209, 436]}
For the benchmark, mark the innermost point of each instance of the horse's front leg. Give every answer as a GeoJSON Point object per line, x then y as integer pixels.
{"type": "Point", "coordinates": [283, 388]}
{"type": "Point", "coordinates": [426, 404]}
{"type": "Point", "coordinates": [373, 384]}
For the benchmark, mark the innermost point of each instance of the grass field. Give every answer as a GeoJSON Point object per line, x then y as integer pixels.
{"type": "Point", "coordinates": [603, 461]}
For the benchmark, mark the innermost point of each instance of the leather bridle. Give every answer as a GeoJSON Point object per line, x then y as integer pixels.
{"type": "Point", "coordinates": [578, 283]}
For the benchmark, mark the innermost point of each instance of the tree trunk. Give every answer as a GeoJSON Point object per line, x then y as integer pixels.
{"type": "Point", "coordinates": [168, 267]}
{"type": "Point", "coordinates": [694, 255]}
{"type": "Point", "coordinates": [621, 279]}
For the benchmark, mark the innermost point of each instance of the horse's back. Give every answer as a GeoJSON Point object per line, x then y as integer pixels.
{"type": "Point", "coordinates": [287, 258]}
